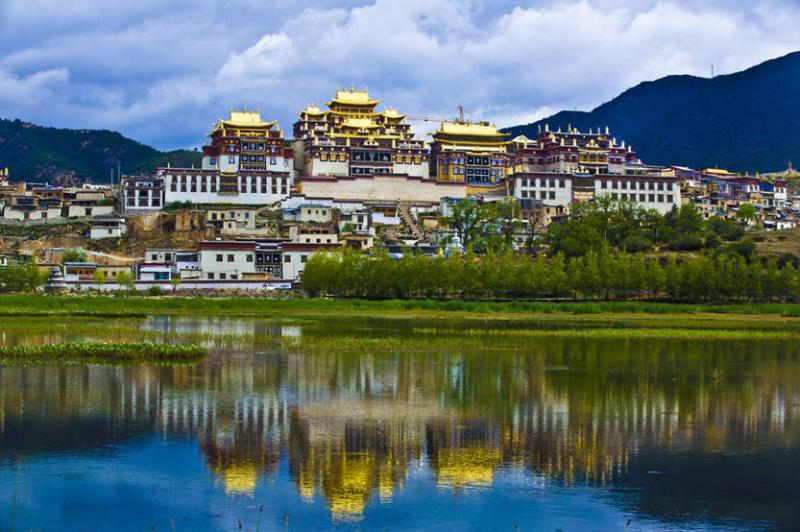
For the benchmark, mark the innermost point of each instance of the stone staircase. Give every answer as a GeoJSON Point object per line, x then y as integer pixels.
{"type": "Point", "coordinates": [410, 220]}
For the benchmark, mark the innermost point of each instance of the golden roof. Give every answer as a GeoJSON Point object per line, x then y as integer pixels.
{"type": "Point", "coordinates": [480, 129]}
{"type": "Point", "coordinates": [392, 113]}
{"type": "Point", "coordinates": [353, 97]}
{"type": "Point", "coordinates": [718, 171]}
{"type": "Point", "coordinates": [244, 119]}
{"type": "Point", "coordinates": [313, 110]}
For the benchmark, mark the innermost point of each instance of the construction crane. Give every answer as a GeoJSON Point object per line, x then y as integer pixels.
{"type": "Point", "coordinates": [459, 120]}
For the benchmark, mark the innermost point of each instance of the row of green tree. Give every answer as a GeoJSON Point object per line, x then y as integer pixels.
{"type": "Point", "coordinates": [595, 275]}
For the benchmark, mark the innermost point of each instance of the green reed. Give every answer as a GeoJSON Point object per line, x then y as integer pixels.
{"type": "Point", "coordinates": [136, 306]}
{"type": "Point", "coordinates": [103, 353]}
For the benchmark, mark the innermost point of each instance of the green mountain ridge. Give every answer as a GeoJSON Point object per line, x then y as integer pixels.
{"type": "Point", "coordinates": [38, 153]}
{"type": "Point", "coordinates": [747, 121]}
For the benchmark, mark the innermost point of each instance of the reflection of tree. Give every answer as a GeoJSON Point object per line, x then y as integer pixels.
{"type": "Point", "coordinates": [570, 410]}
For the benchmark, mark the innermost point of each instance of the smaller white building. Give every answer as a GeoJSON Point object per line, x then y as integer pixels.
{"type": "Point", "coordinates": [142, 194]}
{"type": "Point", "coordinates": [155, 272]}
{"type": "Point", "coordinates": [313, 234]}
{"type": "Point", "coordinates": [227, 260]}
{"type": "Point", "coordinates": [107, 227]}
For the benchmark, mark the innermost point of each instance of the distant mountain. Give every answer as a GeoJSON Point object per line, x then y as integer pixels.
{"type": "Point", "coordinates": [36, 153]}
{"type": "Point", "coordinates": [748, 121]}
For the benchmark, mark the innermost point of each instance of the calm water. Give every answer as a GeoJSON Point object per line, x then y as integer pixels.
{"type": "Point", "coordinates": [552, 434]}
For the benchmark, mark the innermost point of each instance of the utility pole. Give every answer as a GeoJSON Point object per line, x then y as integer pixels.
{"type": "Point", "coordinates": [712, 71]}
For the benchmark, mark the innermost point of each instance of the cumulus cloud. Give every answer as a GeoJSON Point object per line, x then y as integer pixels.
{"type": "Point", "coordinates": [429, 56]}
{"type": "Point", "coordinates": [33, 89]}
{"type": "Point", "coordinates": [163, 75]}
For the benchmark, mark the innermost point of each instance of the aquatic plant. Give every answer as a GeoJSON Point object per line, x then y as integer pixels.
{"type": "Point", "coordinates": [134, 306]}
{"type": "Point", "coordinates": [103, 352]}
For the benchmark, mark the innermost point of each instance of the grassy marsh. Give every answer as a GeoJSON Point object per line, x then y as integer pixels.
{"type": "Point", "coordinates": [103, 353]}
{"type": "Point", "coordinates": [132, 307]}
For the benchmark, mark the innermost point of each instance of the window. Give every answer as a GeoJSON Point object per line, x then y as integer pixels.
{"type": "Point", "coordinates": [231, 160]}
{"type": "Point", "coordinates": [211, 276]}
{"type": "Point", "coordinates": [153, 257]}
{"type": "Point", "coordinates": [223, 276]}
{"type": "Point", "coordinates": [249, 258]}
{"type": "Point", "coordinates": [230, 257]}
{"type": "Point", "coordinates": [303, 258]}
{"type": "Point", "coordinates": [287, 258]}
{"type": "Point", "coordinates": [272, 160]}
{"type": "Point", "coordinates": [219, 257]}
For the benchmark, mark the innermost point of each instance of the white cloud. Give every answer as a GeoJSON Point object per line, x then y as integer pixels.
{"type": "Point", "coordinates": [163, 75]}
{"type": "Point", "coordinates": [34, 89]}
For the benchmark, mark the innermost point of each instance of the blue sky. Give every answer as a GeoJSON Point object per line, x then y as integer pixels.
{"type": "Point", "coordinates": [163, 71]}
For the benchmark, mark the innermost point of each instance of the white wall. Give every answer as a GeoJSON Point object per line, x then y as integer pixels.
{"type": "Point", "coordinates": [80, 211]}
{"type": "Point", "coordinates": [556, 190]}
{"type": "Point", "coordinates": [662, 200]}
{"type": "Point", "coordinates": [239, 264]}
{"type": "Point", "coordinates": [256, 192]}
{"type": "Point", "coordinates": [382, 188]}
{"type": "Point", "coordinates": [96, 233]}
{"type": "Point", "coordinates": [187, 284]}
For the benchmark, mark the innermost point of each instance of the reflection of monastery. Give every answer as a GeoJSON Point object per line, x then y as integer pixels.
{"type": "Point", "coordinates": [349, 429]}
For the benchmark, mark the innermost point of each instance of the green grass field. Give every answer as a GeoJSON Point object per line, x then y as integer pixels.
{"type": "Point", "coordinates": [122, 306]}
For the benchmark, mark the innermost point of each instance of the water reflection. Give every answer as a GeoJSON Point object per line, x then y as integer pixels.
{"type": "Point", "coordinates": [651, 419]}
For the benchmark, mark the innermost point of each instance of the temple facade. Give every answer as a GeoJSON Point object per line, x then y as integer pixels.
{"type": "Point", "coordinates": [595, 152]}
{"type": "Point", "coordinates": [247, 161]}
{"type": "Point", "coordinates": [351, 138]}
{"type": "Point", "coordinates": [472, 153]}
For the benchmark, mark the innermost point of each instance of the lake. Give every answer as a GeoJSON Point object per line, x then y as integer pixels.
{"type": "Point", "coordinates": [482, 427]}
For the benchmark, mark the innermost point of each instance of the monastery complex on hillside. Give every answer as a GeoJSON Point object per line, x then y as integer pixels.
{"type": "Point", "coordinates": [352, 151]}
{"type": "Point", "coordinates": [354, 173]}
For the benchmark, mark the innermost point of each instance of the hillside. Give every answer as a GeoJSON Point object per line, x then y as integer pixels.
{"type": "Point", "coordinates": [37, 153]}
{"type": "Point", "coordinates": [748, 121]}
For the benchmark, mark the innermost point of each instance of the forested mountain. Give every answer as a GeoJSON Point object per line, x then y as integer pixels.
{"type": "Point", "coordinates": [744, 121]}
{"type": "Point", "coordinates": [37, 153]}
